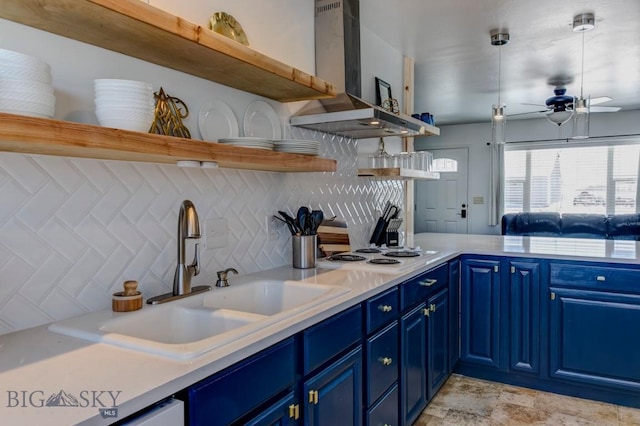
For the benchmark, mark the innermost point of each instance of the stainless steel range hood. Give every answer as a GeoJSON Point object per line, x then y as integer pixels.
{"type": "Point", "coordinates": [337, 37]}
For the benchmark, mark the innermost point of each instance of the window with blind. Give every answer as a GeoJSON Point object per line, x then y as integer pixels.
{"type": "Point", "coordinates": [571, 179]}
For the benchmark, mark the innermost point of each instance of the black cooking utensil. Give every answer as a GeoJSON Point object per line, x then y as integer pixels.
{"type": "Point", "coordinates": [302, 220]}
{"type": "Point", "coordinates": [318, 217]}
{"type": "Point", "coordinates": [291, 223]}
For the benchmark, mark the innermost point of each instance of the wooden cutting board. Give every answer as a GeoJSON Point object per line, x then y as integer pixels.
{"type": "Point", "coordinates": [333, 237]}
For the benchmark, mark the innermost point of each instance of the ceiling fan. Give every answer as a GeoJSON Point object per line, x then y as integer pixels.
{"type": "Point", "coordinates": [560, 107]}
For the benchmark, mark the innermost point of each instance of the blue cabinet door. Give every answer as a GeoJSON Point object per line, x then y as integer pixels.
{"type": "Point", "coordinates": [413, 374]}
{"type": "Point", "coordinates": [454, 313]}
{"type": "Point", "coordinates": [480, 312]}
{"type": "Point", "coordinates": [437, 342]}
{"type": "Point", "coordinates": [285, 412]}
{"type": "Point", "coordinates": [334, 395]}
{"type": "Point", "coordinates": [595, 338]}
{"type": "Point", "coordinates": [524, 316]}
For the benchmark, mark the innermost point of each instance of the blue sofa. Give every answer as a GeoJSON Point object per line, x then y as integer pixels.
{"type": "Point", "coordinates": [570, 225]}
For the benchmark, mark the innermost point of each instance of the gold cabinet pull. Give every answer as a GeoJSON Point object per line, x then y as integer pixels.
{"type": "Point", "coordinates": [553, 296]}
{"type": "Point", "coordinates": [513, 269]}
{"type": "Point", "coordinates": [601, 278]}
{"type": "Point", "coordinates": [432, 307]}
{"type": "Point", "coordinates": [313, 397]}
{"type": "Point", "coordinates": [425, 312]}
{"type": "Point", "coordinates": [386, 361]}
{"type": "Point", "coordinates": [495, 268]}
{"type": "Point", "coordinates": [385, 308]}
{"type": "Point", "coordinates": [428, 282]}
{"type": "Point", "coordinates": [294, 411]}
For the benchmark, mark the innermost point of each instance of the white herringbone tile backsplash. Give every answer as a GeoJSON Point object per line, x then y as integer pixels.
{"type": "Point", "coordinates": [72, 230]}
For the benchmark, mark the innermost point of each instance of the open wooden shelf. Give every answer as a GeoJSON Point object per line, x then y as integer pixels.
{"type": "Point", "coordinates": [29, 135]}
{"type": "Point", "coordinates": [399, 173]}
{"type": "Point", "coordinates": [137, 29]}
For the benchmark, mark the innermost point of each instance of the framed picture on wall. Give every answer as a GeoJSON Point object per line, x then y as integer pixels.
{"type": "Point", "coordinates": [383, 91]}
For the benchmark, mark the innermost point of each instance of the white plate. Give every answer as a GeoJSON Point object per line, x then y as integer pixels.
{"type": "Point", "coordinates": [217, 121]}
{"type": "Point", "coordinates": [261, 120]}
{"type": "Point", "coordinates": [242, 140]}
{"type": "Point", "coordinates": [298, 152]}
{"type": "Point", "coordinates": [300, 142]}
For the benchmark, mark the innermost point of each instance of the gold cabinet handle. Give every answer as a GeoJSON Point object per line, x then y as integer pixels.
{"type": "Point", "coordinates": [425, 312]}
{"type": "Point", "coordinates": [386, 361]}
{"type": "Point", "coordinates": [385, 308]}
{"type": "Point", "coordinates": [432, 307]}
{"type": "Point", "coordinates": [601, 278]}
{"type": "Point", "coordinates": [294, 411]}
{"type": "Point", "coordinates": [428, 282]}
{"type": "Point", "coordinates": [313, 397]}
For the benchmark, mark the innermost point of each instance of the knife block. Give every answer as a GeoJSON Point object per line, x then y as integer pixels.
{"type": "Point", "coordinates": [392, 238]}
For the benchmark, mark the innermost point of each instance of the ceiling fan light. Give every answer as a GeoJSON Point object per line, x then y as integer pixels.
{"type": "Point", "coordinates": [581, 119]}
{"type": "Point", "coordinates": [559, 117]}
{"type": "Point", "coordinates": [498, 124]}
{"type": "Point", "coordinates": [581, 106]}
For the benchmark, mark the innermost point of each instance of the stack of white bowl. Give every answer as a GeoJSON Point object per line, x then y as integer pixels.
{"type": "Point", "coordinates": [25, 85]}
{"type": "Point", "coordinates": [124, 104]}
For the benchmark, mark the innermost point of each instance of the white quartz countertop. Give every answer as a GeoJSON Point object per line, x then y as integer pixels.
{"type": "Point", "coordinates": [36, 363]}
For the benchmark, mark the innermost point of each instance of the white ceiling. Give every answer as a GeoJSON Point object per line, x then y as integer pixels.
{"type": "Point", "coordinates": [456, 67]}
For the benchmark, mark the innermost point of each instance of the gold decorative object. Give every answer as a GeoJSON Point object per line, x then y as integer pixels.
{"type": "Point", "coordinates": [225, 24]}
{"type": "Point", "coordinates": [169, 113]}
{"type": "Point", "coordinates": [391, 105]}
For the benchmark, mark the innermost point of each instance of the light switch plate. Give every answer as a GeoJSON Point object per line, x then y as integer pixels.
{"type": "Point", "coordinates": [274, 228]}
{"type": "Point", "coordinates": [216, 233]}
{"type": "Point", "coordinates": [478, 200]}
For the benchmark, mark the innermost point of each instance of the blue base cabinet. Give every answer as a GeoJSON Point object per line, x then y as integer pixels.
{"type": "Point", "coordinates": [425, 333]}
{"type": "Point", "coordinates": [334, 396]}
{"type": "Point", "coordinates": [595, 338]}
{"type": "Point", "coordinates": [454, 313]}
{"type": "Point", "coordinates": [437, 342]}
{"type": "Point", "coordinates": [480, 312]}
{"type": "Point", "coordinates": [562, 326]}
{"type": "Point", "coordinates": [413, 378]}
{"type": "Point", "coordinates": [524, 317]}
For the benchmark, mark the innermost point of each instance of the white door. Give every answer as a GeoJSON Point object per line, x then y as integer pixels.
{"type": "Point", "coordinates": [442, 205]}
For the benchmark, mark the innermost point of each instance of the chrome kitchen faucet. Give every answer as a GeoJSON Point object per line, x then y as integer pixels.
{"type": "Point", "coordinates": [188, 228]}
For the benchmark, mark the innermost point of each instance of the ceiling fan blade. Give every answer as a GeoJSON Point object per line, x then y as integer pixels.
{"type": "Point", "coordinates": [604, 109]}
{"type": "Point", "coordinates": [599, 100]}
{"type": "Point", "coordinates": [538, 105]}
{"type": "Point", "coordinates": [527, 113]}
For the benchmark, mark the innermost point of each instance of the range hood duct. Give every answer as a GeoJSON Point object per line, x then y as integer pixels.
{"type": "Point", "coordinates": [337, 39]}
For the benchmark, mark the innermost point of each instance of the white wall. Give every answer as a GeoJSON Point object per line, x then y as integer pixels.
{"type": "Point", "coordinates": [72, 230]}
{"type": "Point", "coordinates": [380, 60]}
{"type": "Point", "coordinates": [476, 136]}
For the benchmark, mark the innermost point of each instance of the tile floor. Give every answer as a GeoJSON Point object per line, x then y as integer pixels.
{"type": "Point", "coordinates": [466, 401]}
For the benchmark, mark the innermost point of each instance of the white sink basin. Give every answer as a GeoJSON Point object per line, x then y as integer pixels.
{"type": "Point", "coordinates": [268, 297]}
{"type": "Point", "coordinates": [187, 328]}
{"type": "Point", "coordinates": [177, 325]}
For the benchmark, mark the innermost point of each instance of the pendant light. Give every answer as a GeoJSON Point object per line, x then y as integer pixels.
{"type": "Point", "coordinates": [581, 24]}
{"type": "Point", "coordinates": [498, 115]}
